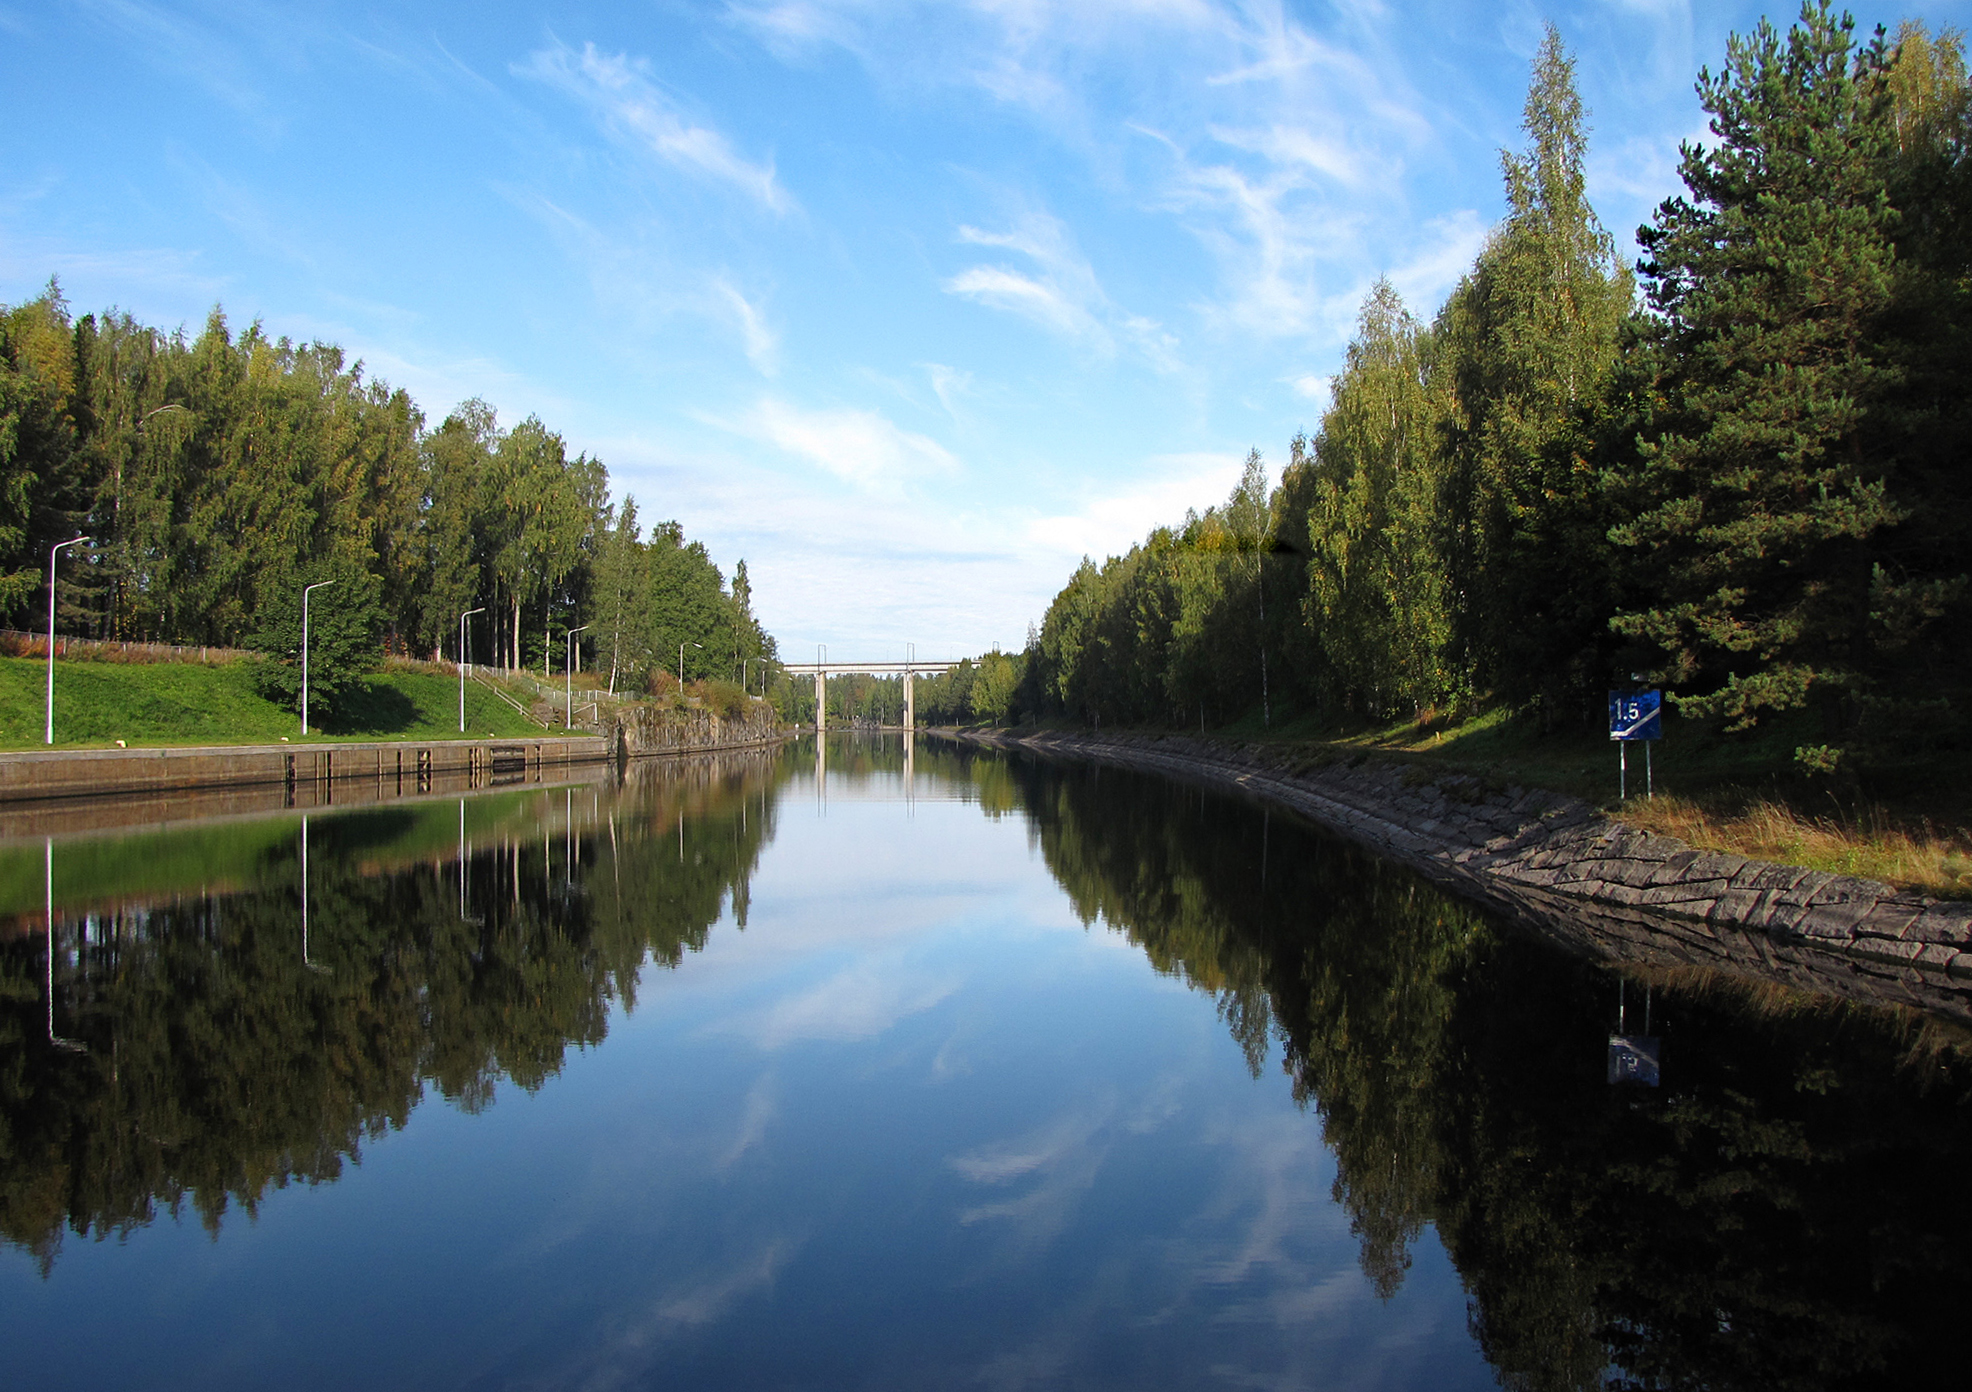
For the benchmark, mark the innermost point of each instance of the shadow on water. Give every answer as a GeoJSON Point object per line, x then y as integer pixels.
{"type": "Point", "coordinates": [1787, 1210]}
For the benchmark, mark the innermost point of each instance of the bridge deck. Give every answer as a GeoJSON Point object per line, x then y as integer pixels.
{"type": "Point", "coordinates": [874, 669]}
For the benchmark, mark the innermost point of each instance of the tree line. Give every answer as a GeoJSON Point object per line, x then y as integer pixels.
{"type": "Point", "coordinates": [1735, 468]}
{"type": "Point", "coordinates": [218, 475]}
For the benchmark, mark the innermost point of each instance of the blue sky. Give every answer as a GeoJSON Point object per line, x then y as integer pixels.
{"type": "Point", "coordinates": [910, 305]}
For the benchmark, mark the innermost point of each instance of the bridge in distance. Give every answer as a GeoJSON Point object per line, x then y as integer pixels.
{"type": "Point", "coordinates": [822, 671]}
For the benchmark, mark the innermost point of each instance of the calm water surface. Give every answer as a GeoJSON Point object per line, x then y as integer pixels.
{"type": "Point", "coordinates": [959, 1072]}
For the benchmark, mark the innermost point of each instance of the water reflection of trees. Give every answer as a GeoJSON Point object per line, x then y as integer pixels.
{"type": "Point", "coordinates": [215, 1063]}
{"type": "Point", "coordinates": [1787, 1211]}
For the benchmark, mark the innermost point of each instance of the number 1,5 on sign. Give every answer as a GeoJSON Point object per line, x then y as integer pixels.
{"type": "Point", "coordinates": [1635, 715]}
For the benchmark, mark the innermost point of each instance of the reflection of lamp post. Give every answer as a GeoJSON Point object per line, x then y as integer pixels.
{"type": "Point", "coordinates": [462, 663]}
{"type": "Point", "coordinates": [681, 665]}
{"type": "Point", "coordinates": [74, 1046]}
{"type": "Point", "coordinates": [306, 590]}
{"type": "Point", "coordinates": [52, 553]}
{"type": "Point", "coordinates": [568, 679]}
{"type": "Point", "coordinates": [312, 966]}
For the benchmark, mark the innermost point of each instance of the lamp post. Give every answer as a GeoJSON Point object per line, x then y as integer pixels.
{"type": "Point", "coordinates": [681, 664]}
{"type": "Point", "coordinates": [568, 679]}
{"type": "Point", "coordinates": [747, 662]}
{"type": "Point", "coordinates": [462, 663]}
{"type": "Point", "coordinates": [306, 590]}
{"type": "Point", "coordinates": [53, 551]}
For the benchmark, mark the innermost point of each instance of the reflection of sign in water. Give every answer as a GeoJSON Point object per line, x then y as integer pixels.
{"type": "Point", "coordinates": [1633, 1059]}
{"type": "Point", "coordinates": [1634, 715]}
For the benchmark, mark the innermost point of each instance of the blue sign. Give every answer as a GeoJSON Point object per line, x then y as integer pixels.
{"type": "Point", "coordinates": [1634, 715]}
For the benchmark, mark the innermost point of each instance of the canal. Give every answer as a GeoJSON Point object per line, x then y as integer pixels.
{"type": "Point", "coordinates": [867, 1067]}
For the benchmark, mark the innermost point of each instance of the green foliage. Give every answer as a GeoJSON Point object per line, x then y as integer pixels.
{"type": "Point", "coordinates": [1752, 487]}
{"type": "Point", "coordinates": [343, 618]}
{"type": "Point", "coordinates": [994, 688]}
{"type": "Point", "coordinates": [1524, 351]}
{"type": "Point", "coordinates": [1377, 583]}
{"type": "Point", "coordinates": [1795, 497]}
{"type": "Point", "coordinates": [219, 473]}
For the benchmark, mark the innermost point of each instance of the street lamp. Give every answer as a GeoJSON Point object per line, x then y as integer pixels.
{"type": "Point", "coordinates": [462, 663]}
{"type": "Point", "coordinates": [681, 664]}
{"type": "Point", "coordinates": [568, 679]}
{"type": "Point", "coordinates": [306, 590]}
{"type": "Point", "coordinates": [53, 551]}
{"type": "Point", "coordinates": [747, 662]}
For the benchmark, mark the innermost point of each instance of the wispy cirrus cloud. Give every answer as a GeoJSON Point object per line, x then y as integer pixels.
{"type": "Point", "coordinates": [761, 342]}
{"type": "Point", "coordinates": [619, 91]}
{"type": "Point", "coordinates": [1058, 290]}
{"type": "Point", "coordinates": [856, 445]}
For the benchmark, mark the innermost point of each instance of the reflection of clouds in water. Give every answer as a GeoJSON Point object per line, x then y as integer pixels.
{"type": "Point", "coordinates": [1260, 1248]}
{"type": "Point", "coordinates": [1064, 1159]}
{"type": "Point", "coordinates": [709, 1297]}
{"type": "Point", "coordinates": [1283, 1197]}
{"type": "Point", "coordinates": [860, 1003]}
{"type": "Point", "coordinates": [624, 1350]}
{"type": "Point", "coordinates": [757, 1111]}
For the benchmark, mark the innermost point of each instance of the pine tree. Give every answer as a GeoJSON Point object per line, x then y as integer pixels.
{"type": "Point", "coordinates": [1766, 499]}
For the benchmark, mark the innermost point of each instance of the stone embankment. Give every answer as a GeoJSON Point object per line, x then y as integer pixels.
{"type": "Point", "coordinates": [1558, 866]}
{"type": "Point", "coordinates": [646, 729]}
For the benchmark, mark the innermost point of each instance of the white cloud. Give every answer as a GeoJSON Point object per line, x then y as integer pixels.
{"type": "Point", "coordinates": [761, 342]}
{"type": "Point", "coordinates": [1453, 243]}
{"type": "Point", "coordinates": [1313, 386]}
{"type": "Point", "coordinates": [949, 383]}
{"type": "Point", "coordinates": [1043, 303]}
{"type": "Point", "coordinates": [618, 90]}
{"type": "Point", "coordinates": [858, 446]}
{"type": "Point", "coordinates": [1109, 524]}
{"type": "Point", "coordinates": [1061, 294]}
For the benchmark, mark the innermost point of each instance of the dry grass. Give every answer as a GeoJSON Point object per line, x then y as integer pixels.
{"type": "Point", "coordinates": [1873, 843]}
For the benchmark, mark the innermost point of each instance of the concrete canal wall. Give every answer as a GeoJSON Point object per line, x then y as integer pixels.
{"type": "Point", "coordinates": [37, 775]}
{"type": "Point", "coordinates": [311, 772]}
{"type": "Point", "coordinates": [1556, 865]}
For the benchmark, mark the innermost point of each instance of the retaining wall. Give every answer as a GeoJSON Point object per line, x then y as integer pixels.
{"type": "Point", "coordinates": [36, 775]}
{"type": "Point", "coordinates": [1557, 865]}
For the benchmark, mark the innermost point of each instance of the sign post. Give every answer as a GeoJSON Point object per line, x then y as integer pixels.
{"type": "Point", "coordinates": [1635, 715]}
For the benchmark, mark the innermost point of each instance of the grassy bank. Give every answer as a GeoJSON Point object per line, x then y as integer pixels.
{"type": "Point", "coordinates": [1908, 826]}
{"type": "Point", "coordinates": [149, 866]}
{"type": "Point", "coordinates": [98, 703]}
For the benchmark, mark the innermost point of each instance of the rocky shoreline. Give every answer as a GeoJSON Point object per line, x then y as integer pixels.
{"type": "Point", "coordinates": [1558, 866]}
